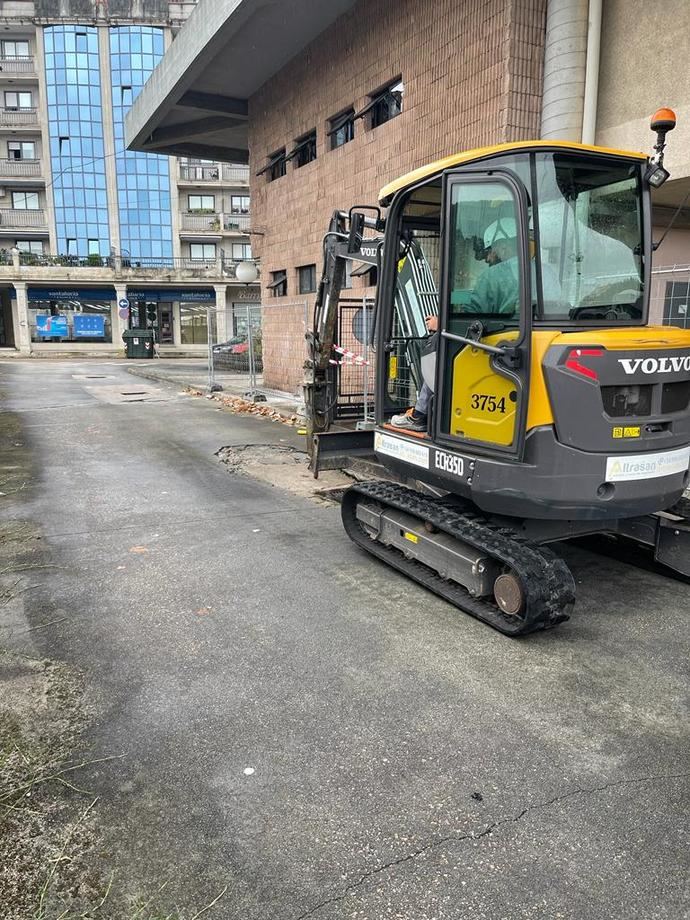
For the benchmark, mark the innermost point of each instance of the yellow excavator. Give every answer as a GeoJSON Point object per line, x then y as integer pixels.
{"type": "Point", "coordinates": [521, 396]}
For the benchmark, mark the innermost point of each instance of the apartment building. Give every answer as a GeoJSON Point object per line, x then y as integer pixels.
{"type": "Point", "coordinates": [95, 238]}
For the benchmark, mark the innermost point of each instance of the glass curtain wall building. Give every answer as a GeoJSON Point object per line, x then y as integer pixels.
{"type": "Point", "coordinates": [75, 119]}
{"type": "Point", "coordinates": [143, 180]}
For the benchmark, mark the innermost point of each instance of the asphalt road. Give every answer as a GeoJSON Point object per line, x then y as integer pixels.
{"type": "Point", "coordinates": [314, 731]}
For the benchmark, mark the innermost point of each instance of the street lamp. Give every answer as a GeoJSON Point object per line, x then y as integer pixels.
{"type": "Point", "coordinates": [246, 272]}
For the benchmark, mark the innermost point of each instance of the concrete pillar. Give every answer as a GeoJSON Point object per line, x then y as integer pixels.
{"type": "Point", "coordinates": [119, 324]}
{"type": "Point", "coordinates": [177, 325]}
{"type": "Point", "coordinates": [46, 163]}
{"type": "Point", "coordinates": [221, 313]}
{"type": "Point", "coordinates": [109, 139]}
{"type": "Point", "coordinates": [20, 319]}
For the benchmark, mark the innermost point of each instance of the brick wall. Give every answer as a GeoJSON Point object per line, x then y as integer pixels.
{"type": "Point", "coordinates": [472, 71]}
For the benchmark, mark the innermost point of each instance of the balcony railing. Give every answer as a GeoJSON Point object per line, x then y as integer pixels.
{"type": "Point", "coordinates": [201, 223]}
{"type": "Point", "coordinates": [14, 167]}
{"type": "Point", "coordinates": [220, 268]}
{"type": "Point", "coordinates": [18, 217]}
{"type": "Point", "coordinates": [17, 64]}
{"type": "Point", "coordinates": [239, 223]}
{"type": "Point", "coordinates": [14, 117]}
{"type": "Point", "coordinates": [199, 173]}
{"type": "Point", "coordinates": [239, 174]}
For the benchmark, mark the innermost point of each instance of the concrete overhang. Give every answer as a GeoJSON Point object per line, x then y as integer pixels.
{"type": "Point", "coordinates": [195, 102]}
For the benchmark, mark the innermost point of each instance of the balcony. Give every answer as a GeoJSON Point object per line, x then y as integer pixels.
{"type": "Point", "coordinates": [236, 223]}
{"type": "Point", "coordinates": [17, 64]}
{"type": "Point", "coordinates": [201, 173]}
{"type": "Point", "coordinates": [18, 118]}
{"type": "Point", "coordinates": [200, 223]}
{"type": "Point", "coordinates": [11, 218]}
{"type": "Point", "coordinates": [237, 174]}
{"type": "Point", "coordinates": [20, 168]}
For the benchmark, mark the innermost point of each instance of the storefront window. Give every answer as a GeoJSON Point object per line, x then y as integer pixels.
{"type": "Point", "coordinates": [70, 321]}
{"type": "Point", "coordinates": [193, 326]}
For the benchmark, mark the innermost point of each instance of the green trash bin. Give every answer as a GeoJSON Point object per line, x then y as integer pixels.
{"type": "Point", "coordinates": [138, 343]}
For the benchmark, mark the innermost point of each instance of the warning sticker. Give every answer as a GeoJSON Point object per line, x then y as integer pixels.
{"type": "Point", "coordinates": [647, 466]}
{"type": "Point", "coordinates": [627, 432]}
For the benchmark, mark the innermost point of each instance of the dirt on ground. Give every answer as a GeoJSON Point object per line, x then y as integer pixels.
{"type": "Point", "coordinates": [286, 467]}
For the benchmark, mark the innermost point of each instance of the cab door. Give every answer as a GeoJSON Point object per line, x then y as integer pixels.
{"type": "Point", "coordinates": [482, 372]}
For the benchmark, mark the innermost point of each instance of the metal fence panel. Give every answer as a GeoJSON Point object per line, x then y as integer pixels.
{"type": "Point", "coordinates": [670, 296]}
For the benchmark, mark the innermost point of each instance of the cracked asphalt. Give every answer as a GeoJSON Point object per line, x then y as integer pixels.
{"type": "Point", "coordinates": [312, 730]}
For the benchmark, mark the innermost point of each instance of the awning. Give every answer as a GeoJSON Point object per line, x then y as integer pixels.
{"type": "Point", "coordinates": [196, 101]}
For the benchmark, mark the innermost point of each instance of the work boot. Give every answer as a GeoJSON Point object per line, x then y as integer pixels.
{"type": "Point", "coordinates": [411, 420]}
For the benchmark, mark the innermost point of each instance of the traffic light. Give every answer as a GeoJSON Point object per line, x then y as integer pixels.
{"type": "Point", "coordinates": [152, 314]}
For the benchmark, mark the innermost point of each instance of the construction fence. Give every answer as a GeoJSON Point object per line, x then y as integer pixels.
{"type": "Point", "coordinates": [670, 296]}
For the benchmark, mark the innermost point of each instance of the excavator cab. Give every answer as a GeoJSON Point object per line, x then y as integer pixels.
{"type": "Point", "coordinates": [554, 408]}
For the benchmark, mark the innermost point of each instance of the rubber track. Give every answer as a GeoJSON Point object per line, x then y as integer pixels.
{"type": "Point", "coordinates": [546, 580]}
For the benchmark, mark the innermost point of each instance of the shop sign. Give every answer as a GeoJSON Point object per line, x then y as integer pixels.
{"type": "Point", "coordinates": [34, 293]}
{"type": "Point", "coordinates": [48, 326]}
{"type": "Point", "coordinates": [155, 295]}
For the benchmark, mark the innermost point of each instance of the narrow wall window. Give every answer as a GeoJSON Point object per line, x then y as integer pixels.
{"type": "Point", "coordinates": [306, 277]}
{"type": "Point", "coordinates": [278, 286]}
{"type": "Point", "coordinates": [276, 166]}
{"type": "Point", "coordinates": [384, 104]}
{"type": "Point", "coordinates": [341, 129]}
{"type": "Point", "coordinates": [304, 150]}
{"type": "Point", "coordinates": [126, 94]}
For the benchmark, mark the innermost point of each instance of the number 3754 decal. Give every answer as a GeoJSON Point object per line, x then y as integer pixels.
{"type": "Point", "coordinates": [487, 403]}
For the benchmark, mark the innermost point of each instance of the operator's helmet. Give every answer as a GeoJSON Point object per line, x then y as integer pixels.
{"type": "Point", "coordinates": [504, 228]}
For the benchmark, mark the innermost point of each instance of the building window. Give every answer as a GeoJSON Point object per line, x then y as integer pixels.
{"type": "Point", "coordinates": [385, 104]}
{"type": "Point", "coordinates": [25, 201]}
{"type": "Point", "coordinates": [278, 286]}
{"type": "Point", "coordinates": [306, 278]}
{"type": "Point", "coordinates": [18, 101]}
{"type": "Point", "coordinates": [276, 166]}
{"type": "Point", "coordinates": [241, 251]}
{"type": "Point", "coordinates": [14, 50]}
{"type": "Point", "coordinates": [80, 42]}
{"type": "Point", "coordinates": [193, 324]}
{"type": "Point", "coordinates": [21, 150]}
{"type": "Point", "coordinates": [201, 204]}
{"type": "Point", "coordinates": [35, 247]}
{"type": "Point", "coordinates": [94, 248]}
{"type": "Point", "coordinates": [203, 252]}
{"type": "Point", "coordinates": [304, 150]}
{"type": "Point", "coordinates": [126, 96]}
{"type": "Point", "coordinates": [239, 204]}
{"type": "Point", "coordinates": [342, 128]}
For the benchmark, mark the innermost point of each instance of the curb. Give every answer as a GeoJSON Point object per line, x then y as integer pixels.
{"type": "Point", "coordinates": [233, 391]}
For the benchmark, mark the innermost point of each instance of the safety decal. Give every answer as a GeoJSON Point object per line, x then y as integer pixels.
{"type": "Point", "coordinates": [627, 432]}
